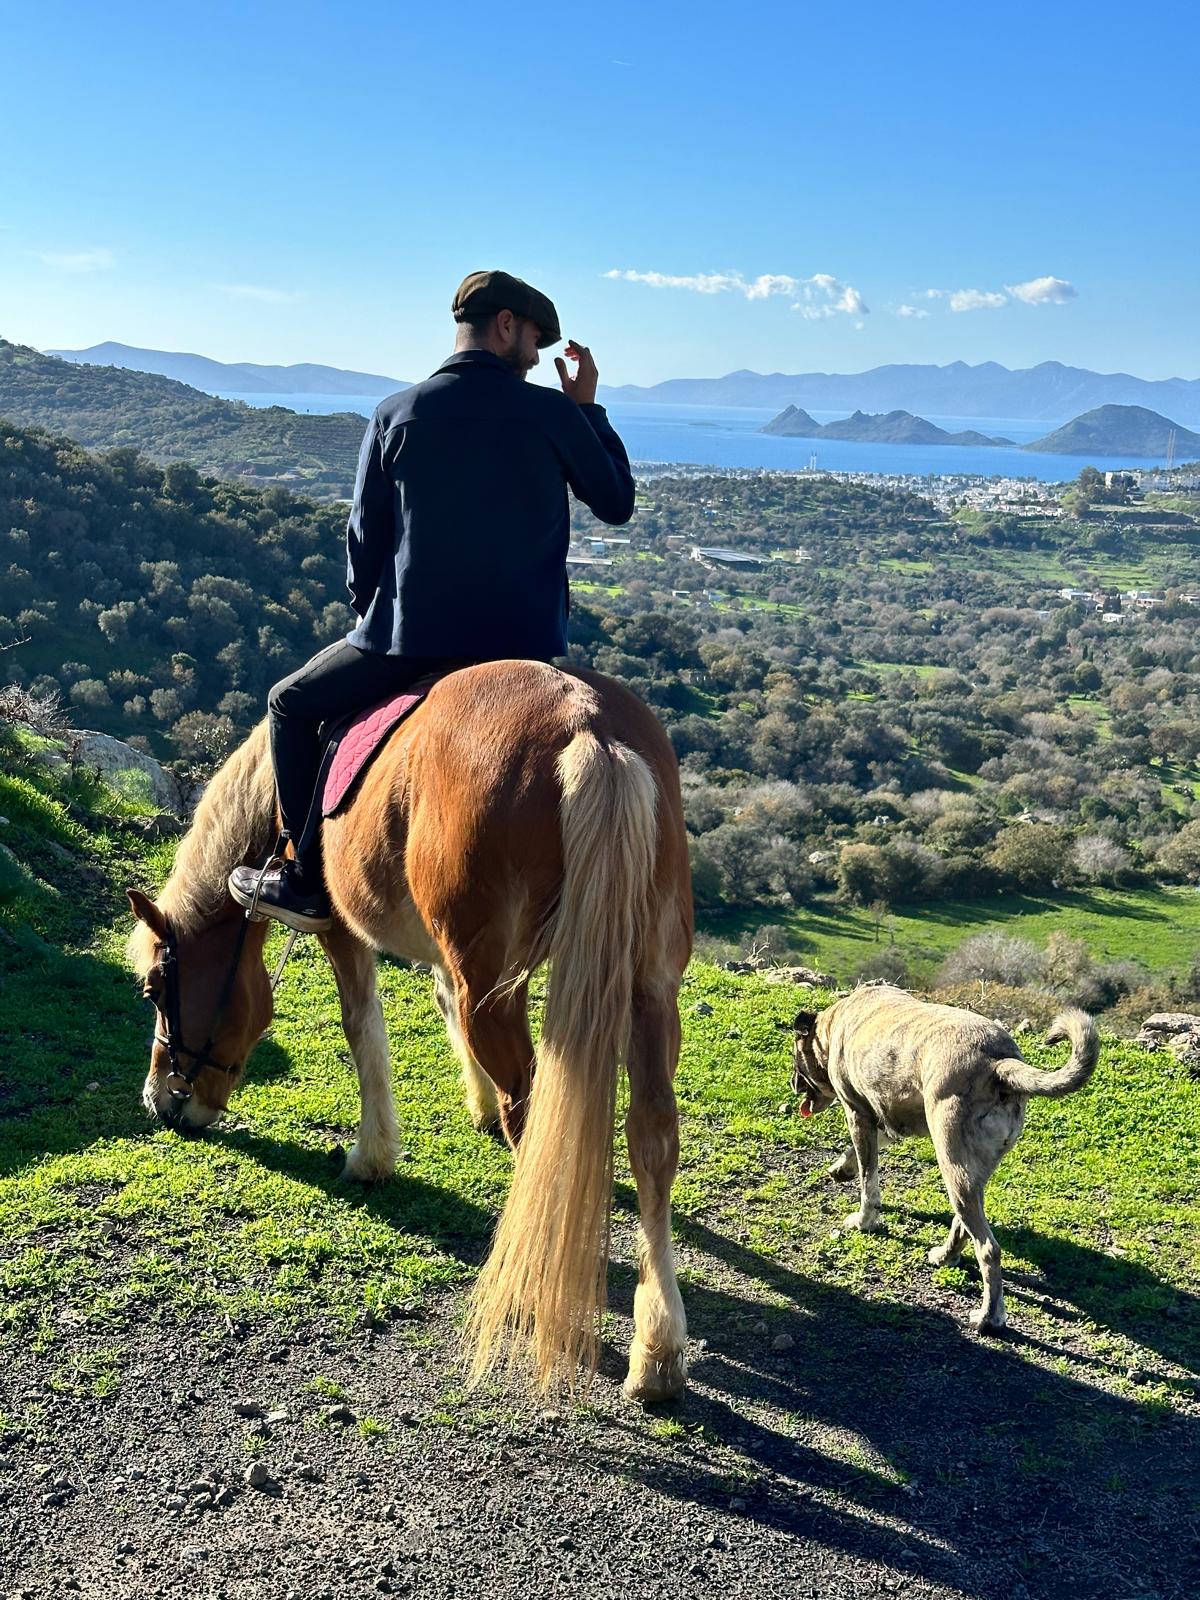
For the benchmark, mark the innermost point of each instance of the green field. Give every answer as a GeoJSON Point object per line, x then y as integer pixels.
{"type": "Point", "coordinates": [1160, 927]}
{"type": "Point", "coordinates": [107, 1222]}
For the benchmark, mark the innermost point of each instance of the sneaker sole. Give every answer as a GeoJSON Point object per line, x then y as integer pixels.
{"type": "Point", "coordinates": [290, 919]}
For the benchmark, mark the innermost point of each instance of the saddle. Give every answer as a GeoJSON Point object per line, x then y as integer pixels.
{"type": "Point", "coordinates": [352, 744]}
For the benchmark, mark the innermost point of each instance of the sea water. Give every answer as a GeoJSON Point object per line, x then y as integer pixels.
{"type": "Point", "coordinates": [728, 436]}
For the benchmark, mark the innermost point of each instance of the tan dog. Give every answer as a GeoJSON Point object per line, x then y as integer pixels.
{"type": "Point", "coordinates": [900, 1066]}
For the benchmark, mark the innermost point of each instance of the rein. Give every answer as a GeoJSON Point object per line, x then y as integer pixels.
{"type": "Point", "coordinates": [179, 1081]}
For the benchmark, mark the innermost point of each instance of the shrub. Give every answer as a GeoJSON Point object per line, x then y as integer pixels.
{"type": "Point", "coordinates": [1031, 855]}
{"type": "Point", "coordinates": [1098, 859]}
{"type": "Point", "coordinates": [890, 964]}
{"type": "Point", "coordinates": [993, 957]}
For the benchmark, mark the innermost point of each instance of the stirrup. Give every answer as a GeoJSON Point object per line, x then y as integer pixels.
{"type": "Point", "coordinates": [253, 914]}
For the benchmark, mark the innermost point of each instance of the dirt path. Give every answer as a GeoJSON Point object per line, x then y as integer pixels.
{"type": "Point", "coordinates": [830, 1446]}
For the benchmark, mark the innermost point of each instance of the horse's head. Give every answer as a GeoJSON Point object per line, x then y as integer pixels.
{"type": "Point", "coordinates": [212, 1004]}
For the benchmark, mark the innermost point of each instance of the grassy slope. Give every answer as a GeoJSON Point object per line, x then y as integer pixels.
{"type": "Point", "coordinates": [105, 1222]}
{"type": "Point", "coordinates": [1158, 926]}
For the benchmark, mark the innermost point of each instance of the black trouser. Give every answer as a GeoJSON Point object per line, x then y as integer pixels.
{"type": "Point", "coordinates": [341, 679]}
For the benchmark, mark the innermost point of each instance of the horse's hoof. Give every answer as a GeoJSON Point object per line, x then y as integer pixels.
{"type": "Point", "coordinates": [653, 1381]}
{"type": "Point", "coordinates": [361, 1168]}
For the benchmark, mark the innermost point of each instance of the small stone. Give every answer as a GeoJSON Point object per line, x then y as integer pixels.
{"type": "Point", "coordinates": [761, 1327]}
{"type": "Point", "coordinates": [223, 1499]}
{"type": "Point", "coordinates": [340, 1413]}
{"type": "Point", "coordinates": [783, 1108]}
{"type": "Point", "coordinates": [566, 1542]}
{"type": "Point", "coordinates": [125, 1548]}
{"type": "Point", "coordinates": [388, 1512]}
{"type": "Point", "coordinates": [201, 1486]}
{"type": "Point", "coordinates": [175, 1502]}
{"type": "Point", "coordinates": [91, 1089]}
{"type": "Point", "coordinates": [55, 1497]}
{"type": "Point", "coordinates": [281, 1353]}
{"type": "Point", "coordinates": [136, 1473]}
{"type": "Point", "coordinates": [714, 1541]}
{"type": "Point", "coordinates": [733, 1033]}
{"type": "Point", "coordinates": [1136, 1375]}
{"type": "Point", "coordinates": [782, 1342]}
{"type": "Point", "coordinates": [280, 1414]}
{"type": "Point", "coordinates": [702, 1009]}
{"type": "Point", "coordinates": [256, 1475]}
{"type": "Point", "coordinates": [248, 1408]}
{"type": "Point", "coordinates": [737, 1504]}
{"type": "Point", "coordinates": [309, 1473]}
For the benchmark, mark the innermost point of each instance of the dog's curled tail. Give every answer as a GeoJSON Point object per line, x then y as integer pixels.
{"type": "Point", "coordinates": [1079, 1028]}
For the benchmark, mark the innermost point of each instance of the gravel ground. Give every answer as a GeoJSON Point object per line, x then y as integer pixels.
{"type": "Point", "coordinates": [829, 1446]}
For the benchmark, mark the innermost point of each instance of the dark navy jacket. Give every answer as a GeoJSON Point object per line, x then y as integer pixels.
{"type": "Point", "coordinates": [458, 534]}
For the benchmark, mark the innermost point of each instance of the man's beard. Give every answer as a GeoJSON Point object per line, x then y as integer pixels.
{"type": "Point", "coordinates": [516, 363]}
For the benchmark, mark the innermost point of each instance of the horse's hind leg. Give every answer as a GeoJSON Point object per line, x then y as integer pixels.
{"type": "Point", "coordinates": [657, 1360]}
{"type": "Point", "coordinates": [493, 1022]}
{"type": "Point", "coordinates": [482, 1103]}
{"type": "Point", "coordinates": [373, 1155]}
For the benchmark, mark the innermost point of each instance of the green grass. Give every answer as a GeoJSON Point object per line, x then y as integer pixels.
{"type": "Point", "coordinates": [107, 1223]}
{"type": "Point", "coordinates": [1160, 926]}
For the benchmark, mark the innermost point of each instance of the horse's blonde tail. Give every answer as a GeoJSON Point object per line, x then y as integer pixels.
{"type": "Point", "coordinates": [541, 1294]}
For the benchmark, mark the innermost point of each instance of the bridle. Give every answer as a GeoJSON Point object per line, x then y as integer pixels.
{"type": "Point", "coordinates": [179, 1079]}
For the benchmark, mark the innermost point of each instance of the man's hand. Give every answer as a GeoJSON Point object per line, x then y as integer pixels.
{"type": "Point", "coordinates": [582, 387]}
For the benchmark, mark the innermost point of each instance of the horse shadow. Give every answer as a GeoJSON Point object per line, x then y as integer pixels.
{"type": "Point", "coordinates": [894, 1436]}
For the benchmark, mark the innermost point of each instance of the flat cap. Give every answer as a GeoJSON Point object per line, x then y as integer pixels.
{"type": "Point", "coordinates": [481, 293]}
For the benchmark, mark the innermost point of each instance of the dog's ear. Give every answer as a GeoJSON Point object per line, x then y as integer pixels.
{"type": "Point", "coordinates": [804, 1024]}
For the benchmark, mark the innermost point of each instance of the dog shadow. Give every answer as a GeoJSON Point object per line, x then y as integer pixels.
{"type": "Point", "coordinates": [885, 1432]}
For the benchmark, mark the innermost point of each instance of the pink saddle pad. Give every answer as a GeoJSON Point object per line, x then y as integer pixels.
{"type": "Point", "coordinates": [358, 739]}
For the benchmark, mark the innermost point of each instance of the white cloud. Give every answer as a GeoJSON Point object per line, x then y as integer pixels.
{"type": "Point", "coordinates": [254, 291]}
{"type": "Point", "coordinates": [77, 260]}
{"type": "Point", "coordinates": [910, 311]}
{"type": "Point", "coordinates": [819, 296]}
{"type": "Point", "coordinates": [1043, 291]}
{"type": "Point", "coordinates": [977, 299]}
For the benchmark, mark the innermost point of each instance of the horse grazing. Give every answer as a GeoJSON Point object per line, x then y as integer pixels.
{"type": "Point", "coordinates": [519, 815]}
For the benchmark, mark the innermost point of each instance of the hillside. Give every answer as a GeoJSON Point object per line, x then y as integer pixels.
{"type": "Point", "coordinates": [912, 712]}
{"type": "Point", "coordinates": [792, 423]}
{"type": "Point", "coordinates": [1049, 391]}
{"type": "Point", "coordinates": [1119, 431]}
{"type": "Point", "coordinates": [893, 427]}
{"type": "Point", "coordinates": [106, 408]}
{"type": "Point", "coordinates": [184, 1318]}
{"type": "Point", "coordinates": [233, 377]}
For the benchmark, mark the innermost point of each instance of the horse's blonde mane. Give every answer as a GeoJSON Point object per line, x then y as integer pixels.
{"type": "Point", "coordinates": [234, 820]}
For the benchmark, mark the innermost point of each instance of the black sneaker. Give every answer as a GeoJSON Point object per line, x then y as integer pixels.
{"type": "Point", "coordinates": [271, 891]}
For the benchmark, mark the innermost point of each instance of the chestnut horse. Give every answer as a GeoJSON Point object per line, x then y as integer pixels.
{"type": "Point", "coordinates": [519, 815]}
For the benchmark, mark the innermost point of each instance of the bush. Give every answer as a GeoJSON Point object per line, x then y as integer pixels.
{"type": "Point", "coordinates": [889, 964]}
{"type": "Point", "coordinates": [1096, 858]}
{"type": "Point", "coordinates": [993, 957]}
{"type": "Point", "coordinates": [1031, 855]}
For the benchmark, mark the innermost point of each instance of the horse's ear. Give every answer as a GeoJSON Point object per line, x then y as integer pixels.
{"type": "Point", "coordinates": [804, 1024]}
{"type": "Point", "coordinates": [146, 911]}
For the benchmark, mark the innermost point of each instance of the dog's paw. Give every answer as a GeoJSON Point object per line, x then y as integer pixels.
{"type": "Point", "coordinates": [985, 1325]}
{"type": "Point", "coordinates": [843, 1170]}
{"type": "Point", "coordinates": [864, 1222]}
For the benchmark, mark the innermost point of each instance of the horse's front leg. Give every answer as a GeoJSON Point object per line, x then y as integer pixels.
{"type": "Point", "coordinates": [373, 1154]}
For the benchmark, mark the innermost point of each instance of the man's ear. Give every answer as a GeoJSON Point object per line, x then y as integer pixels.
{"type": "Point", "coordinates": [146, 911]}
{"type": "Point", "coordinates": [804, 1024]}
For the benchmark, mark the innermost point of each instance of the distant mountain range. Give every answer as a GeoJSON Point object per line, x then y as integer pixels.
{"type": "Point", "coordinates": [892, 427]}
{"type": "Point", "coordinates": [234, 377]}
{"type": "Point", "coordinates": [1050, 392]}
{"type": "Point", "coordinates": [1131, 431]}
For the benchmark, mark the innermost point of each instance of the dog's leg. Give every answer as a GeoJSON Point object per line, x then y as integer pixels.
{"type": "Point", "coordinates": [845, 1168]}
{"type": "Point", "coordinates": [865, 1138]}
{"type": "Point", "coordinates": [966, 1160]}
{"type": "Point", "coordinates": [956, 1241]}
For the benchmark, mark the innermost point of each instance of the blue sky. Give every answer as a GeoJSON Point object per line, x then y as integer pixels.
{"type": "Point", "coordinates": [309, 181]}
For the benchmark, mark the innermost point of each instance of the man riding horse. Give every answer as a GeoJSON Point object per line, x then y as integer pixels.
{"type": "Point", "coordinates": [456, 548]}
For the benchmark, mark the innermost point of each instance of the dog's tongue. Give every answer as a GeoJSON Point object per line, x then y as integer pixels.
{"type": "Point", "coordinates": [805, 1109]}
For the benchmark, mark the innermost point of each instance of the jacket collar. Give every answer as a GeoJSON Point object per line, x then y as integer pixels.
{"type": "Point", "coordinates": [476, 358]}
